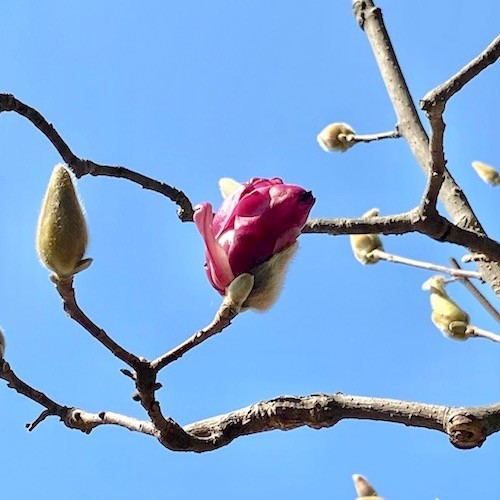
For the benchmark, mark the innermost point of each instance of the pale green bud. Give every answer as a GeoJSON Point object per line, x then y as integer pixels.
{"type": "Point", "coordinates": [2, 344]}
{"type": "Point", "coordinates": [363, 244]}
{"type": "Point", "coordinates": [334, 137]}
{"type": "Point", "coordinates": [62, 235]}
{"type": "Point", "coordinates": [363, 487]}
{"type": "Point", "coordinates": [487, 173]}
{"type": "Point", "coordinates": [269, 278]}
{"type": "Point", "coordinates": [239, 289]}
{"type": "Point", "coordinates": [446, 314]}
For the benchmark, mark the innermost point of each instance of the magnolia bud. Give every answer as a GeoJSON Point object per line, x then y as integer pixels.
{"type": "Point", "coordinates": [2, 344]}
{"type": "Point", "coordinates": [334, 137]}
{"type": "Point", "coordinates": [363, 487]}
{"type": "Point", "coordinates": [269, 277]}
{"type": "Point", "coordinates": [446, 314]}
{"type": "Point", "coordinates": [228, 186]}
{"type": "Point", "coordinates": [239, 289]}
{"type": "Point", "coordinates": [62, 236]}
{"type": "Point", "coordinates": [487, 173]}
{"type": "Point", "coordinates": [363, 244]}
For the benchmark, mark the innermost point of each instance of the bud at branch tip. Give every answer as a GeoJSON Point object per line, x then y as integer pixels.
{"type": "Point", "coordinates": [62, 236]}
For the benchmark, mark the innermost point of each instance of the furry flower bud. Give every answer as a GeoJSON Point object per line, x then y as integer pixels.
{"type": "Point", "coordinates": [363, 244]}
{"type": "Point", "coordinates": [446, 314]}
{"type": "Point", "coordinates": [363, 488]}
{"type": "Point", "coordinates": [334, 137]}
{"type": "Point", "coordinates": [487, 173]}
{"type": "Point", "coordinates": [62, 235]}
{"type": "Point", "coordinates": [254, 231]}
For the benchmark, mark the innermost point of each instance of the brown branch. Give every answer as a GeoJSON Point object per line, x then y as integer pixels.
{"type": "Point", "coordinates": [67, 293]}
{"type": "Point", "coordinates": [31, 426]}
{"type": "Point", "coordinates": [370, 19]}
{"type": "Point", "coordinates": [448, 89]}
{"type": "Point", "coordinates": [388, 224]}
{"type": "Point", "coordinates": [467, 427]}
{"type": "Point", "coordinates": [477, 294]}
{"type": "Point", "coordinates": [21, 387]}
{"type": "Point", "coordinates": [438, 162]}
{"type": "Point", "coordinates": [434, 103]}
{"type": "Point", "coordinates": [82, 167]}
{"type": "Point", "coordinates": [222, 320]}
{"type": "Point", "coordinates": [435, 226]}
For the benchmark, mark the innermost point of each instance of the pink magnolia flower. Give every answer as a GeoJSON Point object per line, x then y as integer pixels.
{"type": "Point", "coordinates": [256, 221]}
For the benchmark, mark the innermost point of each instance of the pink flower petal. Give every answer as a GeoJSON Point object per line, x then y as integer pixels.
{"type": "Point", "coordinates": [217, 261]}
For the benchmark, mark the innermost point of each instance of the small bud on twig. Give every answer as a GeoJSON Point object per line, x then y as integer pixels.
{"type": "Point", "coordinates": [62, 230]}
{"type": "Point", "coordinates": [364, 244]}
{"type": "Point", "coordinates": [446, 314]}
{"type": "Point", "coordinates": [364, 489]}
{"type": "Point", "coordinates": [487, 173]}
{"type": "Point", "coordinates": [334, 137]}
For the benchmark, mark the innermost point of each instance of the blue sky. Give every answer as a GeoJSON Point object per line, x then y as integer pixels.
{"type": "Point", "coordinates": [188, 92]}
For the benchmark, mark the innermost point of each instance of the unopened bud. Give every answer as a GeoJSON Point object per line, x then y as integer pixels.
{"type": "Point", "coordinates": [334, 137]}
{"type": "Point", "coordinates": [363, 487]}
{"type": "Point", "coordinates": [446, 314]}
{"type": "Point", "coordinates": [269, 277]}
{"type": "Point", "coordinates": [62, 235]}
{"type": "Point", "coordinates": [364, 244]}
{"type": "Point", "coordinates": [2, 344]}
{"type": "Point", "coordinates": [487, 173]}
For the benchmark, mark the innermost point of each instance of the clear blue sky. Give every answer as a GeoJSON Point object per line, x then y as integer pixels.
{"type": "Point", "coordinates": [188, 92]}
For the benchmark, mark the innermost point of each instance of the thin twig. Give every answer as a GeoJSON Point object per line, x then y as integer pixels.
{"type": "Point", "coordinates": [425, 265]}
{"type": "Point", "coordinates": [82, 167]}
{"type": "Point", "coordinates": [448, 89]}
{"type": "Point", "coordinates": [67, 293]}
{"type": "Point", "coordinates": [477, 294]}
{"type": "Point", "coordinates": [393, 134]}
{"type": "Point", "coordinates": [222, 320]}
{"type": "Point", "coordinates": [474, 331]}
{"type": "Point", "coordinates": [38, 420]}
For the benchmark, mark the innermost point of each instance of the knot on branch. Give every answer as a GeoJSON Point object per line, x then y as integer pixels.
{"type": "Point", "coordinates": [465, 431]}
{"type": "Point", "coordinates": [74, 418]}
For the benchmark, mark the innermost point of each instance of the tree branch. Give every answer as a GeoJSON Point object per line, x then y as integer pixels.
{"type": "Point", "coordinates": [475, 331]}
{"type": "Point", "coordinates": [459, 273]}
{"type": "Point", "coordinates": [370, 19]}
{"type": "Point", "coordinates": [82, 167]}
{"type": "Point", "coordinates": [222, 320]}
{"type": "Point", "coordinates": [393, 134]}
{"type": "Point", "coordinates": [322, 410]}
{"type": "Point", "coordinates": [467, 427]}
{"type": "Point", "coordinates": [435, 226]}
{"type": "Point", "coordinates": [448, 89]}
{"type": "Point", "coordinates": [67, 293]}
{"type": "Point", "coordinates": [477, 294]}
